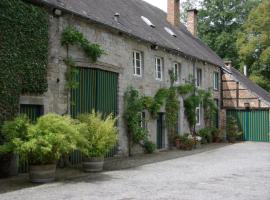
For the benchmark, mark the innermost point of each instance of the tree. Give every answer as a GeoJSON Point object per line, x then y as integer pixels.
{"type": "Point", "coordinates": [219, 24]}
{"type": "Point", "coordinates": [254, 44]}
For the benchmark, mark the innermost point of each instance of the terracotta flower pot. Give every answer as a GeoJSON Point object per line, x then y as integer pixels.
{"type": "Point", "coordinates": [42, 173]}
{"type": "Point", "coordinates": [178, 143]}
{"type": "Point", "coordinates": [93, 164]}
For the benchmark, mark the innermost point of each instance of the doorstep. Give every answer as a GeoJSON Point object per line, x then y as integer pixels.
{"type": "Point", "coordinates": [117, 163]}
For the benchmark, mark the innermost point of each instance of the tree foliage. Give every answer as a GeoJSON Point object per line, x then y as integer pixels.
{"type": "Point", "coordinates": [254, 44]}
{"type": "Point", "coordinates": [219, 24]}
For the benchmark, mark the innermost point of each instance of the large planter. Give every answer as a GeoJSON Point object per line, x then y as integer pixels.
{"type": "Point", "coordinates": [42, 173]}
{"type": "Point", "coordinates": [93, 164]}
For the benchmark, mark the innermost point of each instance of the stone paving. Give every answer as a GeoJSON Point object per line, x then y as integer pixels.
{"type": "Point", "coordinates": [235, 172]}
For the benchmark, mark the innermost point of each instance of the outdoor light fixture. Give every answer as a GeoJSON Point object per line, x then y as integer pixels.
{"type": "Point", "coordinates": [247, 105]}
{"type": "Point", "coordinates": [57, 12]}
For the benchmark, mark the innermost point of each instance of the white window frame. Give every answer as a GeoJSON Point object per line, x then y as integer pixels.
{"type": "Point", "coordinates": [198, 117]}
{"type": "Point", "coordinates": [161, 68]}
{"type": "Point", "coordinates": [216, 80]}
{"type": "Point", "coordinates": [198, 79]}
{"type": "Point", "coordinates": [135, 67]}
{"type": "Point", "coordinates": [176, 66]}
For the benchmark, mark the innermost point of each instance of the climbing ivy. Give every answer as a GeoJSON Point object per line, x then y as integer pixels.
{"type": "Point", "coordinates": [71, 36]}
{"type": "Point", "coordinates": [23, 53]}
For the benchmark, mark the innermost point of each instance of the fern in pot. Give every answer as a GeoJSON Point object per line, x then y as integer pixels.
{"type": "Point", "coordinates": [101, 136]}
{"type": "Point", "coordinates": [52, 136]}
{"type": "Point", "coordinates": [11, 132]}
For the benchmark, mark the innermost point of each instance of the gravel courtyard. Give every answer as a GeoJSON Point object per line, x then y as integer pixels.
{"type": "Point", "coordinates": [234, 172]}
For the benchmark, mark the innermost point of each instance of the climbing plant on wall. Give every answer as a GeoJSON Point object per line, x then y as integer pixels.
{"type": "Point", "coordinates": [23, 53]}
{"type": "Point", "coordinates": [71, 36]}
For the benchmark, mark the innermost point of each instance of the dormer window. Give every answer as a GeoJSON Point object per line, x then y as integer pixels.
{"type": "Point", "coordinates": [170, 31]}
{"type": "Point", "coordinates": [148, 22]}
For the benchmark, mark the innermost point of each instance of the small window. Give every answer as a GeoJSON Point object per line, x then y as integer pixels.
{"type": "Point", "coordinates": [198, 115]}
{"type": "Point", "coordinates": [176, 70]}
{"type": "Point", "coordinates": [148, 22]}
{"type": "Point", "coordinates": [199, 77]}
{"type": "Point", "coordinates": [137, 63]}
{"type": "Point", "coordinates": [143, 120]}
{"type": "Point", "coordinates": [216, 80]}
{"type": "Point", "coordinates": [159, 68]}
{"type": "Point", "coordinates": [170, 31]}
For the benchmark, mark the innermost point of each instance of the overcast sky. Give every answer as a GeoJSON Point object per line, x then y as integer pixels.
{"type": "Point", "coordinates": [162, 4]}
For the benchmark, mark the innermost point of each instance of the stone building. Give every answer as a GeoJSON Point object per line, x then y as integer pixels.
{"type": "Point", "coordinates": [141, 42]}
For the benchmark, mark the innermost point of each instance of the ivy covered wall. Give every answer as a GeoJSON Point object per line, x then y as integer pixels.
{"type": "Point", "coordinates": [23, 53]}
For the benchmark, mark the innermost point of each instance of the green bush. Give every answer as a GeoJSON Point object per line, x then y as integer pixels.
{"type": "Point", "coordinates": [13, 131]}
{"type": "Point", "coordinates": [149, 146]}
{"type": "Point", "coordinates": [51, 137]}
{"type": "Point", "coordinates": [232, 128]}
{"type": "Point", "coordinates": [101, 135]}
{"type": "Point", "coordinates": [206, 135]}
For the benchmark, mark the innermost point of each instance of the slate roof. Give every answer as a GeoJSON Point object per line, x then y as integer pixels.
{"type": "Point", "coordinates": [130, 22]}
{"type": "Point", "coordinates": [250, 85]}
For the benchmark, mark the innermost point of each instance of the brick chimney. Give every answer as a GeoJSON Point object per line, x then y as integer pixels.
{"type": "Point", "coordinates": [192, 21]}
{"type": "Point", "coordinates": [173, 15]}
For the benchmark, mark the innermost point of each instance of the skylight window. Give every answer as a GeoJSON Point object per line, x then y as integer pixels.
{"type": "Point", "coordinates": [148, 22]}
{"type": "Point", "coordinates": [170, 31]}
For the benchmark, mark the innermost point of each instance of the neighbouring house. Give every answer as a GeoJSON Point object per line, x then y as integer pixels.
{"type": "Point", "coordinates": [141, 42]}
{"type": "Point", "coordinates": [247, 102]}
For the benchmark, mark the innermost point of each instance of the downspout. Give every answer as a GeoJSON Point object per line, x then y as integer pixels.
{"type": "Point", "coordinates": [194, 92]}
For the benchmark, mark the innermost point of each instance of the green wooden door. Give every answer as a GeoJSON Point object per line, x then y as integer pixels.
{"type": "Point", "coordinates": [97, 91]}
{"type": "Point", "coordinates": [254, 124]}
{"type": "Point", "coordinates": [33, 112]}
{"type": "Point", "coordinates": [160, 131]}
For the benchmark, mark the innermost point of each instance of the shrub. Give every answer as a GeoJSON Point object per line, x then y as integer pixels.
{"type": "Point", "coordinates": [52, 136]}
{"type": "Point", "coordinates": [101, 135]}
{"type": "Point", "coordinates": [13, 131]}
{"type": "Point", "coordinates": [206, 135]}
{"type": "Point", "coordinates": [233, 129]}
{"type": "Point", "coordinates": [149, 146]}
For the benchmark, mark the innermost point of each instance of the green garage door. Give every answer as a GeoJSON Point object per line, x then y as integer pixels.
{"type": "Point", "coordinates": [97, 91]}
{"type": "Point", "coordinates": [254, 124]}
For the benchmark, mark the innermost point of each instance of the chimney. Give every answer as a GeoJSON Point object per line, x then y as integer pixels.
{"type": "Point", "coordinates": [228, 64]}
{"type": "Point", "coordinates": [173, 15]}
{"type": "Point", "coordinates": [192, 21]}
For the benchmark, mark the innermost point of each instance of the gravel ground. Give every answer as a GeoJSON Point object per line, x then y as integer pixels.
{"type": "Point", "coordinates": [234, 172]}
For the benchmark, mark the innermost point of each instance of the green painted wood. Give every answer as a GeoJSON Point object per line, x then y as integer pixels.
{"type": "Point", "coordinates": [97, 90]}
{"type": "Point", "coordinates": [33, 112]}
{"type": "Point", "coordinates": [254, 124]}
{"type": "Point", "coordinates": [160, 131]}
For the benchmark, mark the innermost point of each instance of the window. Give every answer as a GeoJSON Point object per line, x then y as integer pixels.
{"type": "Point", "coordinates": [159, 69]}
{"type": "Point", "coordinates": [176, 71]}
{"type": "Point", "coordinates": [216, 116]}
{"type": "Point", "coordinates": [170, 31]}
{"type": "Point", "coordinates": [199, 77]}
{"type": "Point", "coordinates": [142, 120]}
{"type": "Point", "coordinates": [198, 115]}
{"type": "Point", "coordinates": [137, 63]}
{"type": "Point", "coordinates": [216, 80]}
{"type": "Point", "coordinates": [148, 22]}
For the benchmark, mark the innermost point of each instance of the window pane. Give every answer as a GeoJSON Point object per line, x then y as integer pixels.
{"type": "Point", "coordinates": [138, 71]}
{"type": "Point", "coordinates": [138, 57]}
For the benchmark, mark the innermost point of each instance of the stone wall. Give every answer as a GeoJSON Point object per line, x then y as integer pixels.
{"type": "Point", "coordinates": [118, 58]}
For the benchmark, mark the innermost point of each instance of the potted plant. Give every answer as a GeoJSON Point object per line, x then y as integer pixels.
{"type": "Point", "coordinates": [189, 143]}
{"type": "Point", "coordinates": [149, 146]}
{"type": "Point", "coordinates": [233, 130]}
{"type": "Point", "coordinates": [52, 136]}
{"type": "Point", "coordinates": [11, 132]}
{"type": "Point", "coordinates": [218, 135]}
{"type": "Point", "coordinates": [101, 136]}
{"type": "Point", "coordinates": [178, 141]}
